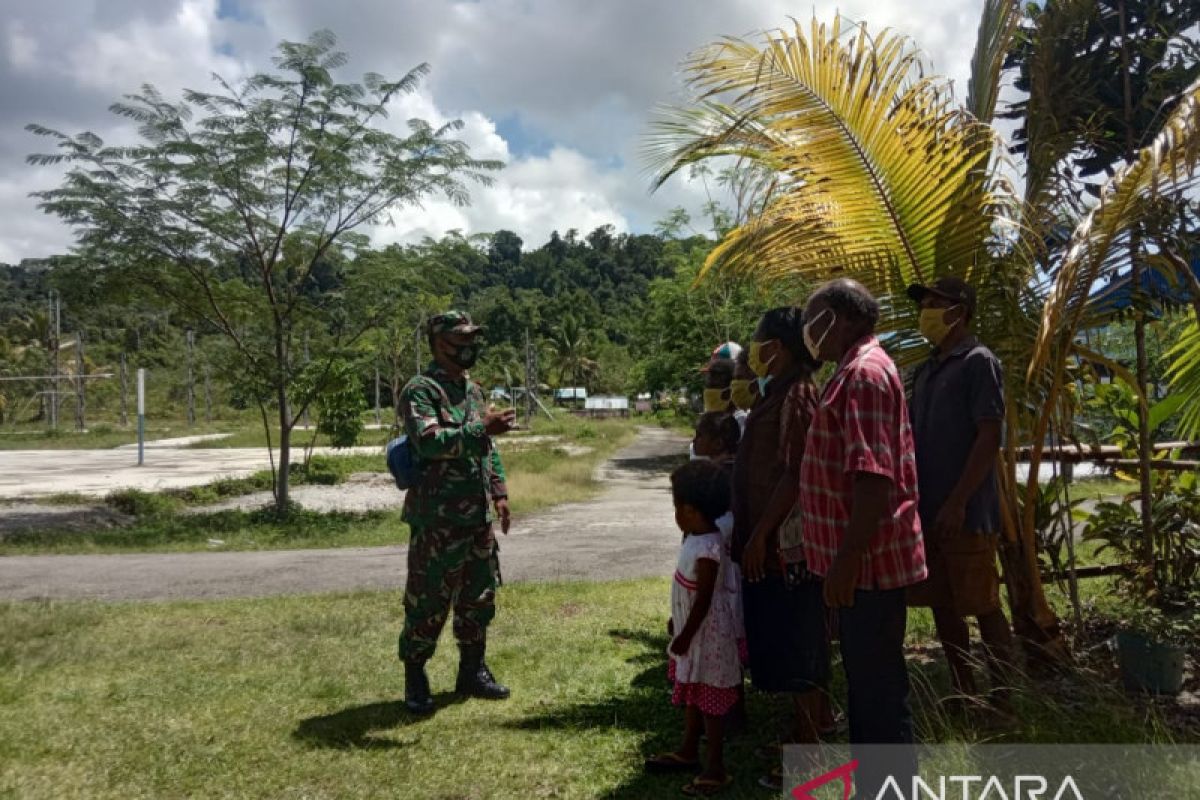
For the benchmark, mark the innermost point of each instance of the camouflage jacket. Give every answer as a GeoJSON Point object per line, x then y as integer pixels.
{"type": "Point", "coordinates": [461, 473]}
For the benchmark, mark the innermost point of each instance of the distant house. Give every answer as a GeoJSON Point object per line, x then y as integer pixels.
{"type": "Point", "coordinates": [570, 396]}
{"type": "Point", "coordinates": [606, 406]}
{"type": "Point", "coordinates": [607, 403]}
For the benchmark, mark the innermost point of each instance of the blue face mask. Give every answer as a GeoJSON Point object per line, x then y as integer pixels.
{"type": "Point", "coordinates": [762, 385]}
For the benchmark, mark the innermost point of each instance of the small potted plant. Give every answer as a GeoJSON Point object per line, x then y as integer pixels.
{"type": "Point", "coordinates": [1160, 616]}
{"type": "Point", "coordinates": [1152, 647]}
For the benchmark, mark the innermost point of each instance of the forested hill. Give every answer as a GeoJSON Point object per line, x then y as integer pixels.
{"type": "Point", "coordinates": [612, 311]}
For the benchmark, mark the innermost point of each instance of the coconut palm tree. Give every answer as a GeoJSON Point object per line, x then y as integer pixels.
{"type": "Point", "coordinates": [571, 348]}
{"type": "Point", "coordinates": [880, 175]}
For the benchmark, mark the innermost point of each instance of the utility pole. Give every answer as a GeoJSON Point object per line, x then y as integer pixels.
{"type": "Point", "coordinates": [190, 338]}
{"type": "Point", "coordinates": [207, 394]}
{"type": "Point", "coordinates": [124, 391]}
{"type": "Point", "coordinates": [141, 415]}
{"type": "Point", "coordinates": [417, 349]}
{"type": "Point", "coordinates": [378, 413]}
{"type": "Point", "coordinates": [53, 333]}
{"type": "Point", "coordinates": [530, 381]}
{"type": "Point", "coordinates": [80, 397]}
{"type": "Point", "coordinates": [304, 421]}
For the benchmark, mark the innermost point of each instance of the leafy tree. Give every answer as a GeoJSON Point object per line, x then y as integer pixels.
{"type": "Point", "coordinates": [235, 201]}
{"type": "Point", "coordinates": [339, 401]}
{"type": "Point", "coordinates": [571, 348]}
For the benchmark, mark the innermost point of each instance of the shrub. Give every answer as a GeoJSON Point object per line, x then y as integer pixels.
{"type": "Point", "coordinates": [137, 503]}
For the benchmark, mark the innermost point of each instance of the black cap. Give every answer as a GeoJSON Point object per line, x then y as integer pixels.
{"type": "Point", "coordinates": [947, 287]}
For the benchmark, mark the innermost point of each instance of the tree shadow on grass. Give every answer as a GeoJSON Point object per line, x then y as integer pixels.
{"type": "Point", "coordinates": [645, 708]}
{"type": "Point", "coordinates": [355, 728]}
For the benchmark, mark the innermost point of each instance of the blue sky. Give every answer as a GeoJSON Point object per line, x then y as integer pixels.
{"type": "Point", "coordinates": [560, 90]}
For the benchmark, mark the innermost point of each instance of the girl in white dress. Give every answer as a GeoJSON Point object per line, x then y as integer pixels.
{"type": "Point", "coordinates": [704, 662]}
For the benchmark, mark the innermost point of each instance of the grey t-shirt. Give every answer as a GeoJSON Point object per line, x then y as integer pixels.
{"type": "Point", "coordinates": [951, 395]}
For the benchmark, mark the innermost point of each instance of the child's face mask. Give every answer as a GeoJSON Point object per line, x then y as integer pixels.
{"type": "Point", "coordinates": [716, 400]}
{"type": "Point", "coordinates": [741, 395]}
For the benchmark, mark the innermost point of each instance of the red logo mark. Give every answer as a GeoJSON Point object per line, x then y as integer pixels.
{"type": "Point", "coordinates": [845, 772]}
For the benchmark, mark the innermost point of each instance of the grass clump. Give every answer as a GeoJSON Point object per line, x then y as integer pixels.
{"type": "Point", "coordinates": [225, 530]}
{"type": "Point", "coordinates": [137, 503]}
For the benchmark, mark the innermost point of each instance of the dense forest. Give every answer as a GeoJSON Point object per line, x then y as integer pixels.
{"type": "Point", "coordinates": [613, 312]}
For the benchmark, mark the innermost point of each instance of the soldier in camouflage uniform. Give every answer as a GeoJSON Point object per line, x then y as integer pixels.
{"type": "Point", "coordinates": [452, 555]}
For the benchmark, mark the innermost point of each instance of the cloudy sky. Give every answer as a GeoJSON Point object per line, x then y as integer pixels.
{"type": "Point", "coordinates": [560, 90]}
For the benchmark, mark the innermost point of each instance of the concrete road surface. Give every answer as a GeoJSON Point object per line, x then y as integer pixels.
{"type": "Point", "coordinates": [37, 473]}
{"type": "Point", "coordinates": [628, 531]}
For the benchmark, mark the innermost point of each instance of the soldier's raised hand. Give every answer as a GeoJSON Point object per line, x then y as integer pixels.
{"type": "Point", "coordinates": [496, 423]}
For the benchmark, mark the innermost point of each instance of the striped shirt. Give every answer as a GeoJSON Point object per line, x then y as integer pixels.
{"type": "Point", "coordinates": [862, 425]}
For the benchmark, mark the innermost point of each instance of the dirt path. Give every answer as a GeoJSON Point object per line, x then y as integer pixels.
{"type": "Point", "coordinates": [626, 532]}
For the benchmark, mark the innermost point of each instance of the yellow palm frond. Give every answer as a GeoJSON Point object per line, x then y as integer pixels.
{"type": "Point", "coordinates": [879, 175]}
{"type": "Point", "coordinates": [1184, 375]}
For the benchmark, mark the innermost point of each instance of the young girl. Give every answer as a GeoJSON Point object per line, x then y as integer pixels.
{"type": "Point", "coordinates": [704, 652]}
{"type": "Point", "coordinates": [717, 438]}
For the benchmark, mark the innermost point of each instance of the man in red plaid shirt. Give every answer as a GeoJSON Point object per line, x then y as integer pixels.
{"type": "Point", "coordinates": [858, 496]}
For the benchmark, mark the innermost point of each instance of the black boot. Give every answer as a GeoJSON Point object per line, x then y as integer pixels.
{"type": "Point", "coordinates": [474, 677]}
{"type": "Point", "coordinates": [417, 698]}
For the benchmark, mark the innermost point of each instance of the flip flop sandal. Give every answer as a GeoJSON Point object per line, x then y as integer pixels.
{"type": "Point", "coordinates": [706, 787]}
{"type": "Point", "coordinates": [773, 780]}
{"type": "Point", "coordinates": [670, 762]}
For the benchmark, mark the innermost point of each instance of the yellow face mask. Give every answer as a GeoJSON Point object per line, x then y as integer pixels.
{"type": "Point", "coordinates": [740, 394]}
{"type": "Point", "coordinates": [755, 360]}
{"type": "Point", "coordinates": [715, 400]}
{"type": "Point", "coordinates": [932, 324]}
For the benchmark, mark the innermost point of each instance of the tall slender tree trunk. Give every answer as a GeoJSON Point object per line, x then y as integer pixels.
{"type": "Point", "coordinates": [80, 391]}
{"type": "Point", "coordinates": [282, 477]}
{"type": "Point", "coordinates": [191, 378]}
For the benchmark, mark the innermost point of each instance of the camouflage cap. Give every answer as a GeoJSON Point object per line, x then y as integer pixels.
{"type": "Point", "coordinates": [453, 322]}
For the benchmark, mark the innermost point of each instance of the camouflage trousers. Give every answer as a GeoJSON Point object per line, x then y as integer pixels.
{"type": "Point", "coordinates": [448, 567]}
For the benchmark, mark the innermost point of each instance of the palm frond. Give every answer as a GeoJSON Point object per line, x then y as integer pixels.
{"type": "Point", "coordinates": [878, 174]}
{"type": "Point", "coordinates": [1184, 375]}
{"type": "Point", "coordinates": [1106, 237]}
{"type": "Point", "coordinates": [998, 24]}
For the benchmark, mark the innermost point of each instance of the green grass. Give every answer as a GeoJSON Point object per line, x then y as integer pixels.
{"type": "Point", "coordinates": [221, 530]}
{"type": "Point", "coordinates": [540, 475]}
{"type": "Point", "coordinates": [1101, 488]}
{"type": "Point", "coordinates": [99, 437]}
{"type": "Point", "coordinates": [300, 697]}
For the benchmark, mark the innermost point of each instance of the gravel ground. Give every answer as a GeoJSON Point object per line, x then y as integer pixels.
{"type": "Point", "coordinates": [362, 491]}
{"type": "Point", "coordinates": [627, 532]}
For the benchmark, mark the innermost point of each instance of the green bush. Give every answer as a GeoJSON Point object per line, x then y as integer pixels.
{"type": "Point", "coordinates": [321, 470]}
{"type": "Point", "coordinates": [137, 503]}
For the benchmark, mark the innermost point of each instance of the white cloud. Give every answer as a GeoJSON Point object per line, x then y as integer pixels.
{"type": "Point", "coordinates": [578, 77]}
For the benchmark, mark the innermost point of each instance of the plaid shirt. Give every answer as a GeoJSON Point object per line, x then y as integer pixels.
{"type": "Point", "coordinates": [862, 425]}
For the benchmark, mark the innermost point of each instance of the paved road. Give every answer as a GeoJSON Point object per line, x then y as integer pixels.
{"type": "Point", "coordinates": [627, 532]}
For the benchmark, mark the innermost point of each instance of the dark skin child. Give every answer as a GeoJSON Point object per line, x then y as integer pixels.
{"type": "Point", "coordinates": [693, 523]}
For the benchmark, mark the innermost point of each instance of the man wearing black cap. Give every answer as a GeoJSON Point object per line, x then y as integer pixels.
{"type": "Point", "coordinates": [452, 552]}
{"type": "Point", "coordinates": [957, 412]}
